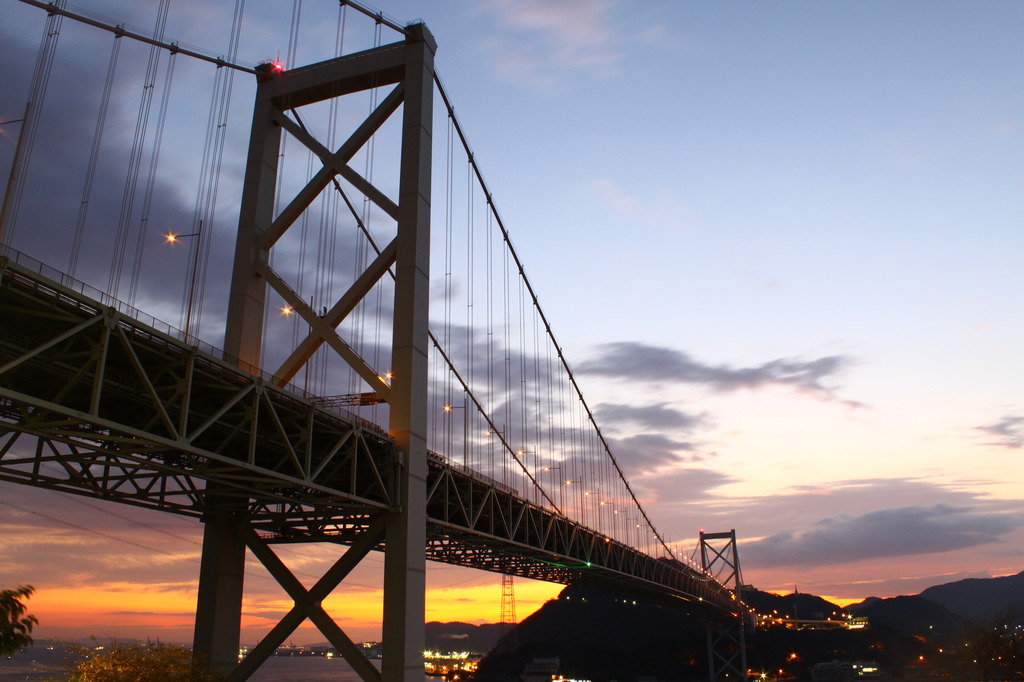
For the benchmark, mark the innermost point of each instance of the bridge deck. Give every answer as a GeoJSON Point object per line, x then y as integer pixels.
{"type": "Point", "coordinates": [96, 402]}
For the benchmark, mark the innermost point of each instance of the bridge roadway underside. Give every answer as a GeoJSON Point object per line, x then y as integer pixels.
{"type": "Point", "coordinates": [96, 403]}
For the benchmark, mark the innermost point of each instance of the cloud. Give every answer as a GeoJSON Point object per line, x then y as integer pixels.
{"type": "Point", "coordinates": [643, 453]}
{"type": "Point", "coordinates": [655, 208]}
{"type": "Point", "coordinates": [819, 530]}
{"type": "Point", "coordinates": [1009, 432]}
{"type": "Point", "coordinates": [687, 484]}
{"type": "Point", "coordinates": [541, 40]}
{"type": "Point", "coordinates": [892, 532]}
{"type": "Point", "coordinates": [799, 507]}
{"type": "Point", "coordinates": [634, 360]}
{"type": "Point", "coordinates": [647, 416]}
{"type": "Point", "coordinates": [42, 529]}
{"type": "Point", "coordinates": [576, 22]}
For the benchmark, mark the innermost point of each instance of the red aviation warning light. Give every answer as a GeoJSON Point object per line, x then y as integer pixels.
{"type": "Point", "coordinates": [268, 70]}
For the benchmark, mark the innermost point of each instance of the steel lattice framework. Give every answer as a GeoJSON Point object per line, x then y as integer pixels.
{"type": "Point", "coordinates": [95, 402]}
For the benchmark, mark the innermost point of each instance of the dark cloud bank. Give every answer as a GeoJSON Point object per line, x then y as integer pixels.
{"type": "Point", "coordinates": [895, 532]}
{"type": "Point", "coordinates": [634, 360]}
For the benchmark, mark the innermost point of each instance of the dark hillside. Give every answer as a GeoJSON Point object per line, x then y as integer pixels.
{"type": "Point", "coordinates": [914, 616]}
{"type": "Point", "coordinates": [796, 605]}
{"type": "Point", "coordinates": [980, 598]}
{"type": "Point", "coordinates": [603, 637]}
{"type": "Point", "coordinates": [446, 637]}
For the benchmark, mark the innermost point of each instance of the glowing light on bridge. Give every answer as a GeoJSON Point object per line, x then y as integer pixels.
{"type": "Point", "coordinates": [174, 238]}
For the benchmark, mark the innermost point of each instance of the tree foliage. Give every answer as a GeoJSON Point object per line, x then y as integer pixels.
{"type": "Point", "coordinates": [15, 626]}
{"type": "Point", "coordinates": [136, 662]}
{"type": "Point", "coordinates": [995, 647]}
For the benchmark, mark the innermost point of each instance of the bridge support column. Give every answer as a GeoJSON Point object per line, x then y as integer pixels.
{"type": "Point", "coordinates": [219, 604]}
{"type": "Point", "coordinates": [406, 530]}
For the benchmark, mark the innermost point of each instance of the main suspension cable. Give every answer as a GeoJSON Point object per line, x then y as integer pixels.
{"type": "Point", "coordinates": [492, 210]}
{"type": "Point", "coordinates": [94, 153]}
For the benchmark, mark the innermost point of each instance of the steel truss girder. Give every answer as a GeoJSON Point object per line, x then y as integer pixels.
{"type": "Point", "coordinates": [136, 405]}
{"type": "Point", "coordinates": [480, 524]}
{"type": "Point", "coordinates": [475, 522]}
{"type": "Point", "coordinates": [96, 442]}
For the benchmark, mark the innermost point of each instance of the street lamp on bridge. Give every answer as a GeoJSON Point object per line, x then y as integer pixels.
{"type": "Point", "coordinates": [173, 239]}
{"type": "Point", "coordinates": [465, 428]}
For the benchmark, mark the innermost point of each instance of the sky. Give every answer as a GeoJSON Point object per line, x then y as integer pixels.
{"type": "Point", "coordinates": [779, 244]}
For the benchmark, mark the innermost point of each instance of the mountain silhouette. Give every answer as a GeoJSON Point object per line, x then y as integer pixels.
{"type": "Point", "coordinates": [602, 637]}
{"type": "Point", "coordinates": [980, 598]}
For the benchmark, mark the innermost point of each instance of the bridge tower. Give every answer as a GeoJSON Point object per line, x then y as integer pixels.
{"type": "Point", "coordinates": [408, 67]}
{"type": "Point", "coordinates": [727, 647]}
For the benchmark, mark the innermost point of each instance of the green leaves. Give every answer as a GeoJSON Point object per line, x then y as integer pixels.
{"type": "Point", "coordinates": [15, 626]}
{"type": "Point", "coordinates": [137, 662]}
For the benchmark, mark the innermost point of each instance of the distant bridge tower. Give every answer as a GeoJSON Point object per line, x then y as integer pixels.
{"type": "Point", "coordinates": [727, 647]}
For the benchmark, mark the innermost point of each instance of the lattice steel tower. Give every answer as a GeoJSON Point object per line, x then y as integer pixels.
{"type": "Point", "coordinates": [509, 640]}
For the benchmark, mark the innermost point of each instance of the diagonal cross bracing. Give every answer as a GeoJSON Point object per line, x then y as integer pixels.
{"type": "Point", "coordinates": [307, 603]}
{"type": "Point", "coordinates": [332, 163]}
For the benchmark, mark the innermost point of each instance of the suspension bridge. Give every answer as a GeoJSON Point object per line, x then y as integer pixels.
{"type": "Point", "coordinates": [357, 396]}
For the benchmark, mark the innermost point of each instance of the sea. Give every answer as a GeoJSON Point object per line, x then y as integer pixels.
{"type": "Point", "coordinates": [50, 662]}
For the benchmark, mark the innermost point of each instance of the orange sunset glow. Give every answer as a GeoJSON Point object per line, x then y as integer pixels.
{"type": "Point", "coordinates": [141, 581]}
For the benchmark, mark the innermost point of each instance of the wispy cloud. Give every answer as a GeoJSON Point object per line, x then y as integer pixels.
{"type": "Point", "coordinates": [574, 23]}
{"type": "Point", "coordinates": [1009, 432]}
{"type": "Point", "coordinates": [548, 37]}
{"type": "Point", "coordinates": [634, 360]}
